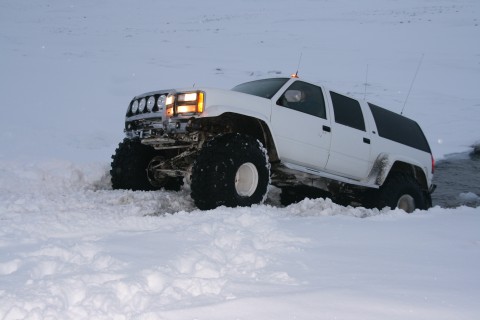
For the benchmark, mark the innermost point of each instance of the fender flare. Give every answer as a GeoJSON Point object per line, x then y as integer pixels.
{"type": "Point", "coordinates": [385, 164]}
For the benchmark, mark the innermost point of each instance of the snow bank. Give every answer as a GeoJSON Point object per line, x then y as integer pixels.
{"type": "Point", "coordinates": [71, 248]}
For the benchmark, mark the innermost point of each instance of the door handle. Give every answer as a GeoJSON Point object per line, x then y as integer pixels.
{"type": "Point", "coordinates": [366, 140]}
{"type": "Point", "coordinates": [326, 129]}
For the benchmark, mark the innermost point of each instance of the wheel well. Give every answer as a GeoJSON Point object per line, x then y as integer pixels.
{"type": "Point", "coordinates": [414, 171]}
{"type": "Point", "coordinates": [234, 122]}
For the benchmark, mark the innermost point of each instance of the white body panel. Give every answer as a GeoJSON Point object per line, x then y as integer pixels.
{"type": "Point", "coordinates": [302, 140]}
{"type": "Point", "coordinates": [218, 102]}
{"type": "Point", "coordinates": [350, 152]}
{"type": "Point", "coordinates": [400, 152]}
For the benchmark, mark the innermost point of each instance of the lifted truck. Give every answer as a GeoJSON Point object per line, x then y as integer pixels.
{"type": "Point", "coordinates": [230, 145]}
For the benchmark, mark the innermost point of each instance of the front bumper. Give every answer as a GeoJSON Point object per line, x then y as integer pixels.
{"type": "Point", "coordinates": [151, 126]}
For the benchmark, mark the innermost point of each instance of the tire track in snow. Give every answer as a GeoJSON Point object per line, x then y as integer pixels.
{"type": "Point", "coordinates": [74, 231]}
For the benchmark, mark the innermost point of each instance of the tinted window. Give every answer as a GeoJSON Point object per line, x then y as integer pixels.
{"type": "Point", "coordinates": [347, 111]}
{"type": "Point", "coordinates": [395, 127]}
{"type": "Point", "coordinates": [304, 97]}
{"type": "Point", "coordinates": [265, 88]}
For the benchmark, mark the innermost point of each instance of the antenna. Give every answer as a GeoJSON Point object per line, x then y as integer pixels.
{"type": "Point", "coordinates": [295, 75]}
{"type": "Point", "coordinates": [411, 85]}
{"type": "Point", "coordinates": [366, 82]}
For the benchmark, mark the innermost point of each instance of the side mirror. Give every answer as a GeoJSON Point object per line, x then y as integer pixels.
{"type": "Point", "coordinates": [293, 95]}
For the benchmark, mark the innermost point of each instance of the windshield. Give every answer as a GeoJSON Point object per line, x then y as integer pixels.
{"type": "Point", "coordinates": [265, 88]}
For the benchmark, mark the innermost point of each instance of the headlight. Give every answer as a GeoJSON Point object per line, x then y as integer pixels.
{"type": "Point", "coordinates": [161, 102]}
{"type": "Point", "coordinates": [135, 106]}
{"type": "Point", "coordinates": [169, 102]}
{"type": "Point", "coordinates": [186, 97]}
{"type": "Point", "coordinates": [141, 105]}
{"type": "Point", "coordinates": [150, 103]}
{"type": "Point", "coordinates": [190, 102]}
{"type": "Point", "coordinates": [186, 109]}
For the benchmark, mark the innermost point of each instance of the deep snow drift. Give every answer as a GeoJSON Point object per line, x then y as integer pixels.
{"type": "Point", "coordinates": [72, 248]}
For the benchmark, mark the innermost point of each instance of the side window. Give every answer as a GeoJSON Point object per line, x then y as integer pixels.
{"type": "Point", "coordinates": [304, 97]}
{"type": "Point", "coordinates": [398, 128]}
{"type": "Point", "coordinates": [347, 111]}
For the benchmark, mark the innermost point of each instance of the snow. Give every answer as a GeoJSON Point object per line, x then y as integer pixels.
{"type": "Point", "coordinates": [72, 248]}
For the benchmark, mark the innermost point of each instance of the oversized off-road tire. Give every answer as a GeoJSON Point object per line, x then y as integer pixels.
{"type": "Point", "coordinates": [402, 191]}
{"type": "Point", "coordinates": [129, 168]}
{"type": "Point", "coordinates": [230, 170]}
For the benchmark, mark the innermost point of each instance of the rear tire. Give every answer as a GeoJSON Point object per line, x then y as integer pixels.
{"type": "Point", "coordinates": [230, 170]}
{"type": "Point", "coordinates": [402, 191]}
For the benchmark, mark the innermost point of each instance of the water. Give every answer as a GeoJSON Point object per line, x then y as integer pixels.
{"type": "Point", "coordinates": [458, 181]}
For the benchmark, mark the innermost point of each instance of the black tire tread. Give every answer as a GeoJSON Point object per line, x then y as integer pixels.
{"type": "Point", "coordinates": [397, 185]}
{"type": "Point", "coordinates": [129, 168]}
{"type": "Point", "coordinates": [212, 181]}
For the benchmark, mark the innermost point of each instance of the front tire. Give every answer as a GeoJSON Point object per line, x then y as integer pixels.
{"type": "Point", "coordinates": [230, 170]}
{"type": "Point", "coordinates": [402, 191]}
{"type": "Point", "coordinates": [129, 168]}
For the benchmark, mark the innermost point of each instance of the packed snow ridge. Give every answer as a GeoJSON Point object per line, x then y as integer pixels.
{"type": "Point", "coordinates": [73, 248]}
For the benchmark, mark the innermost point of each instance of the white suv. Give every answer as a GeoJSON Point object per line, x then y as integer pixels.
{"type": "Point", "coordinates": [229, 145]}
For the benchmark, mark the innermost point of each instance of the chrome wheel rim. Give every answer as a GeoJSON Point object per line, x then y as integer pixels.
{"type": "Point", "coordinates": [406, 203]}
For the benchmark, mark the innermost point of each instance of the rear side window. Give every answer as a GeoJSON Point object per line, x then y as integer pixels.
{"type": "Point", "coordinates": [347, 111]}
{"type": "Point", "coordinates": [397, 128]}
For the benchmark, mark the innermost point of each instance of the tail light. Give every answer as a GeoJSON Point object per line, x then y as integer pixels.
{"type": "Point", "coordinates": [433, 163]}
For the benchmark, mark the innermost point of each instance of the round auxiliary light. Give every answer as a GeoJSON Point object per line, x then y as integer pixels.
{"type": "Point", "coordinates": [141, 105]}
{"type": "Point", "coordinates": [150, 103]}
{"type": "Point", "coordinates": [135, 106]}
{"type": "Point", "coordinates": [161, 102]}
